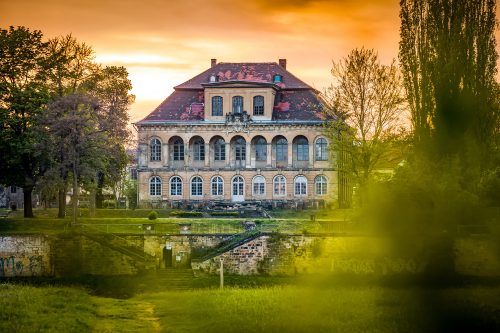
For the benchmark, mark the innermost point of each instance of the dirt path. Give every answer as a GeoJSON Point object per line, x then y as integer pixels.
{"type": "Point", "coordinates": [115, 315]}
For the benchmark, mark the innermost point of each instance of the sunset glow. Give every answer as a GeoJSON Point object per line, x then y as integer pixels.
{"type": "Point", "coordinates": [164, 43]}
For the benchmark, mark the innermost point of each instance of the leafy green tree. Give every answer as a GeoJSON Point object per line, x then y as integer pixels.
{"type": "Point", "coordinates": [23, 95]}
{"type": "Point", "coordinates": [70, 66]}
{"type": "Point", "coordinates": [448, 56]}
{"type": "Point", "coordinates": [110, 86]}
{"type": "Point", "coordinates": [367, 107]}
{"type": "Point", "coordinates": [448, 59]}
{"type": "Point", "coordinates": [72, 123]}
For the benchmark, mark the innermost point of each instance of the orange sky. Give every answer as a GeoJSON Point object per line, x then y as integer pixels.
{"type": "Point", "coordinates": [163, 43]}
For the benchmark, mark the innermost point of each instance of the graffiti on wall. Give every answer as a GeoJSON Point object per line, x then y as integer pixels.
{"type": "Point", "coordinates": [12, 266]}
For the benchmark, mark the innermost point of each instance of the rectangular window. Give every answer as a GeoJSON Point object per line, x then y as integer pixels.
{"type": "Point", "coordinates": [220, 153]}
{"type": "Point", "coordinates": [281, 152]}
{"type": "Point", "coordinates": [260, 152]}
{"type": "Point", "coordinates": [302, 152]}
{"type": "Point", "coordinates": [217, 106]}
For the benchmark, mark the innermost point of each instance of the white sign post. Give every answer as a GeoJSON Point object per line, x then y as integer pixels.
{"type": "Point", "coordinates": [221, 273]}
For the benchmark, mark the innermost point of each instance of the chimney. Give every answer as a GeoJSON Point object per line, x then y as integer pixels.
{"type": "Point", "coordinates": [213, 62]}
{"type": "Point", "coordinates": [282, 63]}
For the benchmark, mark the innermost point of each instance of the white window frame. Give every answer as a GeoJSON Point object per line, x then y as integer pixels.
{"type": "Point", "coordinates": [300, 186]}
{"type": "Point", "coordinates": [217, 184]}
{"type": "Point", "coordinates": [279, 187]}
{"type": "Point", "coordinates": [155, 186]}
{"type": "Point", "coordinates": [176, 193]}
{"type": "Point", "coordinates": [198, 190]}
{"type": "Point", "coordinates": [259, 186]}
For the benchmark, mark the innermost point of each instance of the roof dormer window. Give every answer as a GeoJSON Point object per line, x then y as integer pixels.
{"type": "Point", "coordinates": [212, 78]}
{"type": "Point", "coordinates": [277, 78]}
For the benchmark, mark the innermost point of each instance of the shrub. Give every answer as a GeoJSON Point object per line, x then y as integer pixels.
{"type": "Point", "coordinates": [180, 213]}
{"type": "Point", "coordinates": [153, 215]}
{"type": "Point", "coordinates": [229, 213]}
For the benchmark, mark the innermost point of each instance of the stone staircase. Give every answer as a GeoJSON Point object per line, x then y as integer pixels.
{"type": "Point", "coordinates": [118, 244]}
{"type": "Point", "coordinates": [225, 246]}
{"type": "Point", "coordinates": [174, 278]}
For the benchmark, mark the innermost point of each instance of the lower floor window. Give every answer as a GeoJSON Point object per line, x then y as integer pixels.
{"type": "Point", "coordinates": [155, 186]}
{"type": "Point", "coordinates": [217, 186]}
{"type": "Point", "coordinates": [196, 186]}
{"type": "Point", "coordinates": [300, 185]}
{"type": "Point", "coordinates": [259, 185]}
{"type": "Point", "coordinates": [321, 185]}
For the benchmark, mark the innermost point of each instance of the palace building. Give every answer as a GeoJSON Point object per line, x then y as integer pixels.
{"type": "Point", "coordinates": [236, 132]}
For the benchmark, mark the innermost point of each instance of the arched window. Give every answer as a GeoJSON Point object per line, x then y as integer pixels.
{"type": "Point", "coordinates": [217, 106]}
{"type": "Point", "coordinates": [281, 149]}
{"type": "Point", "coordinates": [217, 186]}
{"type": "Point", "coordinates": [300, 185]}
{"type": "Point", "coordinates": [321, 150]}
{"type": "Point", "coordinates": [219, 150]}
{"type": "Point", "coordinates": [178, 150]}
{"type": "Point", "coordinates": [238, 186]}
{"type": "Point", "coordinates": [199, 149]}
{"type": "Point", "coordinates": [155, 186]}
{"type": "Point", "coordinates": [237, 104]}
{"type": "Point", "coordinates": [196, 186]}
{"type": "Point", "coordinates": [259, 185]}
{"type": "Point", "coordinates": [155, 146]}
{"type": "Point", "coordinates": [176, 185]}
{"type": "Point", "coordinates": [279, 185]}
{"type": "Point", "coordinates": [302, 149]}
{"type": "Point", "coordinates": [260, 149]}
{"type": "Point", "coordinates": [240, 149]}
{"type": "Point", "coordinates": [321, 185]}
{"type": "Point", "coordinates": [258, 106]}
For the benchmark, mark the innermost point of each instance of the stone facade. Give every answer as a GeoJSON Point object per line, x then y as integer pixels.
{"type": "Point", "coordinates": [271, 151]}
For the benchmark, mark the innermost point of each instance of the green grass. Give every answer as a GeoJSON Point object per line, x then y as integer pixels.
{"type": "Point", "coordinates": [130, 222]}
{"type": "Point", "coordinates": [278, 308]}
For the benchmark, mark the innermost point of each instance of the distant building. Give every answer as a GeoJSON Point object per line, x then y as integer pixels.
{"type": "Point", "coordinates": [236, 132]}
{"type": "Point", "coordinates": [11, 197]}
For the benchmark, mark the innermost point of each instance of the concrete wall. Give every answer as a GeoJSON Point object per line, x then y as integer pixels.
{"type": "Point", "coordinates": [24, 256]}
{"type": "Point", "coordinates": [69, 255]}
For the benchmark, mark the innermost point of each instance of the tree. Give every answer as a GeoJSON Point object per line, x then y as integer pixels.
{"type": "Point", "coordinates": [70, 66]}
{"type": "Point", "coordinates": [23, 95]}
{"type": "Point", "coordinates": [110, 86]}
{"type": "Point", "coordinates": [367, 107]}
{"type": "Point", "coordinates": [72, 124]}
{"type": "Point", "coordinates": [448, 57]}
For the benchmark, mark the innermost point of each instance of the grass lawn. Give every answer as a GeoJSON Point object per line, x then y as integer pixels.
{"type": "Point", "coordinates": [282, 308]}
{"type": "Point", "coordinates": [130, 222]}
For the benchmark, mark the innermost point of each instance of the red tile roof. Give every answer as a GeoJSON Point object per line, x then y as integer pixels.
{"type": "Point", "coordinates": [256, 72]}
{"type": "Point", "coordinates": [295, 100]}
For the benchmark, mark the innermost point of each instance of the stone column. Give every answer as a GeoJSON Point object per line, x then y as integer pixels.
{"type": "Point", "coordinates": [290, 153]}
{"type": "Point", "coordinates": [311, 154]}
{"type": "Point", "coordinates": [228, 153]}
{"type": "Point", "coordinates": [247, 154]}
{"type": "Point", "coordinates": [165, 154]}
{"type": "Point", "coordinates": [207, 154]}
{"type": "Point", "coordinates": [269, 152]}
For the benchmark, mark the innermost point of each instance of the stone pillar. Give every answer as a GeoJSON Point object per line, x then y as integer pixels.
{"type": "Point", "coordinates": [247, 154]}
{"type": "Point", "coordinates": [165, 154]}
{"type": "Point", "coordinates": [228, 153]}
{"type": "Point", "coordinates": [311, 154]}
{"type": "Point", "coordinates": [269, 152]}
{"type": "Point", "coordinates": [290, 153]}
{"type": "Point", "coordinates": [143, 155]}
{"type": "Point", "coordinates": [207, 154]}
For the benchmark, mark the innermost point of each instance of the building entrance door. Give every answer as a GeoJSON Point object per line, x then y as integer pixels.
{"type": "Point", "coordinates": [238, 189]}
{"type": "Point", "coordinates": [167, 256]}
